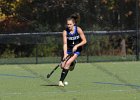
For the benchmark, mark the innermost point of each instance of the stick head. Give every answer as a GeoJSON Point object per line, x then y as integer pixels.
{"type": "Point", "coordinates": [48, 76]}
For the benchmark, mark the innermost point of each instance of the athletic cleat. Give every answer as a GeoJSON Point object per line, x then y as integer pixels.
{"type": "Point", "coordinates": [72, 66]}
{"type": "Point", "coordinates": [61, 84]}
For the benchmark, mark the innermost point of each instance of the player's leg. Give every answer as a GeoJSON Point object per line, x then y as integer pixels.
{"type": "Point", "coordinates": [72, 66]}
{"type": "Point", "coordinates": [63, 63]}
{"type": "Point", "coordinates": [68, 63]}
{"type": "Point", "coordinates": [66, 69]}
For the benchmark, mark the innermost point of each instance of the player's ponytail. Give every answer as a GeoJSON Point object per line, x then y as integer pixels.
{"type": "Point", "coordinates": [75, 18]}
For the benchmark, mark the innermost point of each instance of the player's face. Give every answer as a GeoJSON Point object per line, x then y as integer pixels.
{"type": "Point", "coordinates": [70, 24]}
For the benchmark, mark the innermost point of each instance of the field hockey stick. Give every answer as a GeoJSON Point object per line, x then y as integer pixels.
{"type": "Point", "coordinates": [66, 59]}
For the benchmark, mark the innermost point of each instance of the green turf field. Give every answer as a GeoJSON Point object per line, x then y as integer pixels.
{"type": "Point", "coordinates": [89, 81]}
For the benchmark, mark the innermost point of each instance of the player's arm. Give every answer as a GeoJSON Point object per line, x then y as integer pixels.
{"type": "Point", "coordinates": [83, 38]}
{"type": "Point", "coordinates": [65, 43]}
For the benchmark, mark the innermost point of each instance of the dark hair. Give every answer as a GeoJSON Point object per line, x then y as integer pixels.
{"type": "Point", "coordinates": [75, 18]}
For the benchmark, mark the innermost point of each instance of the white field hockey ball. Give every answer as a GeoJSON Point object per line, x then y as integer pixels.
{"type": "Point", "coordinates": [65, 83]}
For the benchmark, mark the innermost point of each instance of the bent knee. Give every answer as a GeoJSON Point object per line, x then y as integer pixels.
{"type": "Point", "coordinates": [66, 68]}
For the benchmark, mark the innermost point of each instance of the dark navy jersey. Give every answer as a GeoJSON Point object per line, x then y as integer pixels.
{"type": "Point", "coordinates": [73, 38]}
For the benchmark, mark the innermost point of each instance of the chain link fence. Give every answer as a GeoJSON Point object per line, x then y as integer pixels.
{"type": "Point", "coordinates": [48, 47]}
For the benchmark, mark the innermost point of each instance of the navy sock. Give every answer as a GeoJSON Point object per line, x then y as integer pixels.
{"type": "Point", "coordinates": [64, 74]}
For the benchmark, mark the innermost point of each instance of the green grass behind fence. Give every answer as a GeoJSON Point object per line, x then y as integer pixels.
{"type": "Point", "coordinates": [41, 60]}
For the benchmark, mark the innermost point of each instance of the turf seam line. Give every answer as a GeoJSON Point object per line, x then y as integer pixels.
{"type": "Point", "coordinates": [101, 68]}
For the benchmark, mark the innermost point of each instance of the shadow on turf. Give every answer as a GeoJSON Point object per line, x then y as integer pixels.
{"type": "Point", "coordinates": [50, 85]}
{"type": "Point", "coordinates": [38, 75]}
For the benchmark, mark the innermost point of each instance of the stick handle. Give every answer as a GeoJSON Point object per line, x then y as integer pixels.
{"type": "Point", "coordinates": [66, 59]}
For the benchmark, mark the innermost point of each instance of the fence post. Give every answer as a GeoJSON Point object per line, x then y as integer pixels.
{"type": "Point", "coordinates": [36, 54]}
{"type": "Point", "coordinates": [36, 43]}
{"type": "Point", "coordinates": [87, 48]}
{"type": "Point", "coordinates": [137, 30]}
